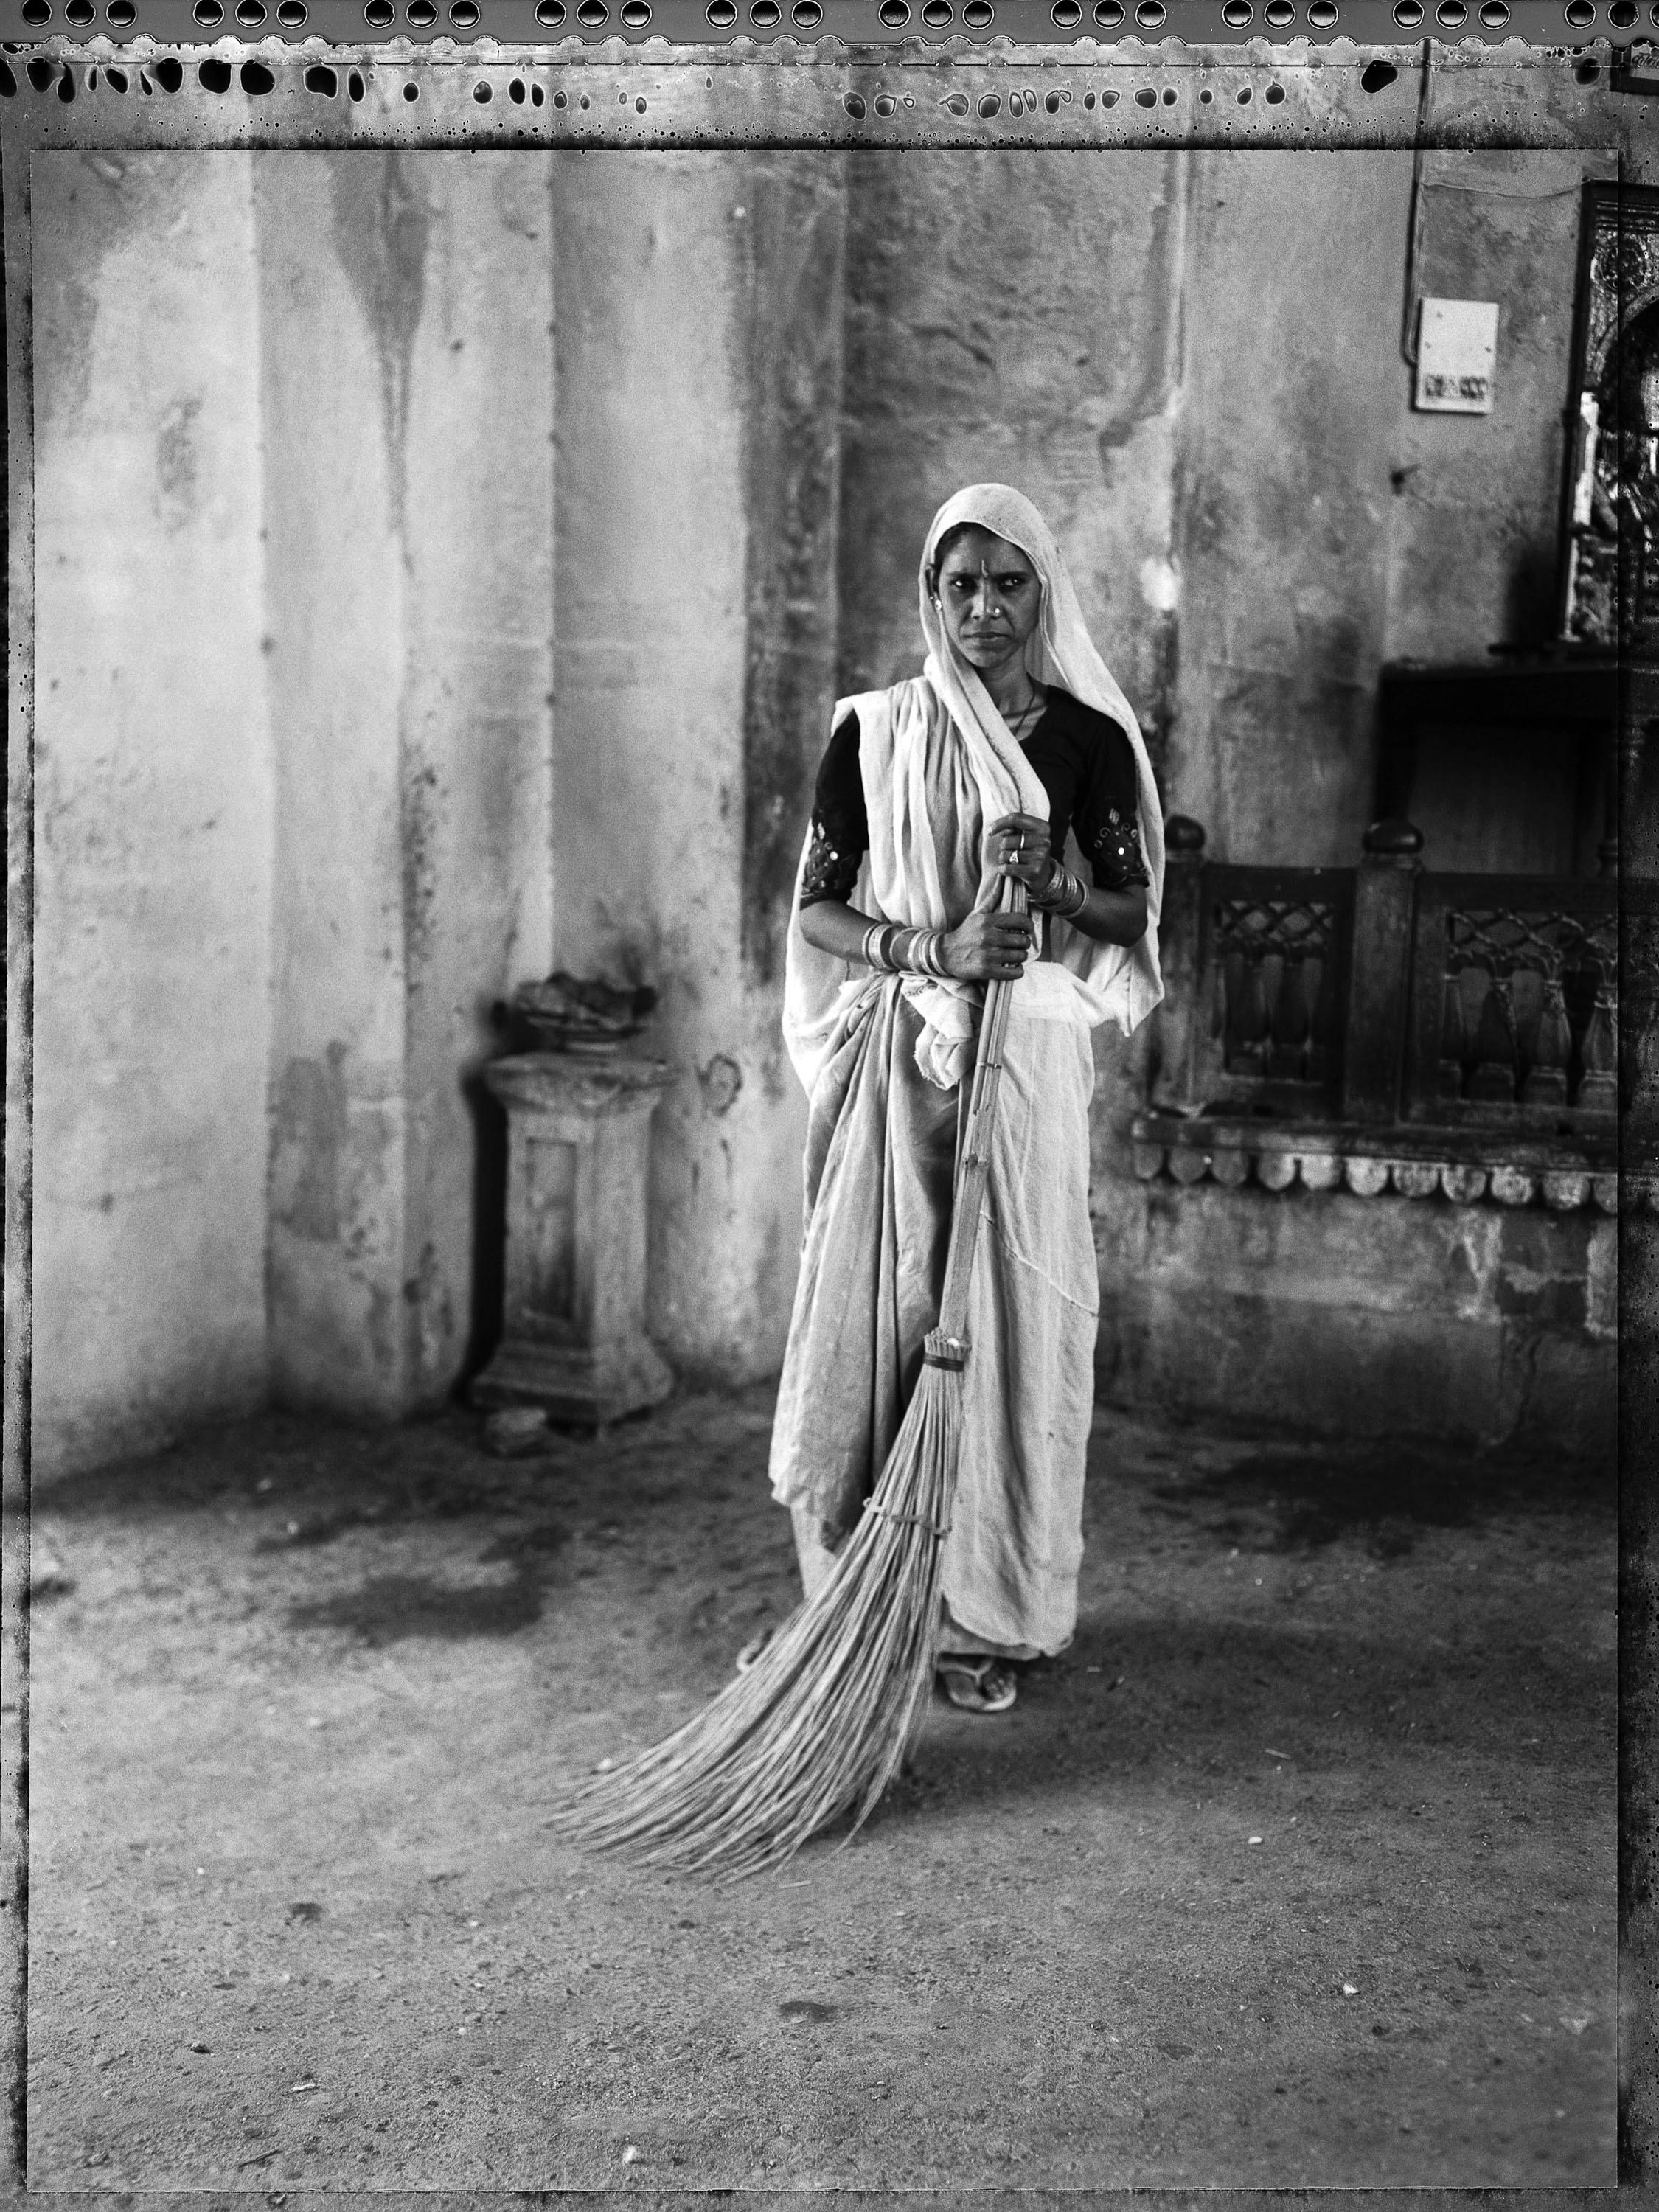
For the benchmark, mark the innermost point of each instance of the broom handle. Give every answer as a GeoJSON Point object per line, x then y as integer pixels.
{"type": "Point", "coordinates": [974, 1165]}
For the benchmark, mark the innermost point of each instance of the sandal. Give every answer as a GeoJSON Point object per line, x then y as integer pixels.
{"type": "Point", "coordinates": [978, 1686]}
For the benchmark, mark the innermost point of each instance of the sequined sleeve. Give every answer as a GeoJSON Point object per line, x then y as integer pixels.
{"type": "Point", "coordinates": [840, 833]}
{"type": "Point", "coordinates": [1114, 851]}
{"type": "Point", "coordinates": [1108, 819]}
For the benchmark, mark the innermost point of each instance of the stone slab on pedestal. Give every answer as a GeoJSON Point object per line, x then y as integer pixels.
{"type": "Point", "coordinates": [573, 1337]}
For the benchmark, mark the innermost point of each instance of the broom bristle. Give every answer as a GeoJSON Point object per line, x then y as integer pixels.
{"type": "Point", "coordinates": [819, 1726]}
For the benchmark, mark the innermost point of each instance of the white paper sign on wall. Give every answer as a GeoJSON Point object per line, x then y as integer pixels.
{"type": "Point", "coordinates": [1456, 349]}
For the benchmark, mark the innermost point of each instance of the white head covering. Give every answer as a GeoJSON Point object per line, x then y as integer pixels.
{"type": "Point", "coordinates": [1120, 983]}
{"type": "Point", "coordinates": [937, 758]}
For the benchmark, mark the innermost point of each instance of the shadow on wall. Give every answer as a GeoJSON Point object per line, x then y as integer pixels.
{"type": "Point", "coordinates": [1530, 591]}
{"type": "Point", "coordinates": [489, 1119]}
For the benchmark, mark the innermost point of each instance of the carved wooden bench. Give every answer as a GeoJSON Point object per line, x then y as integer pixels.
{"type": "Point", "coordinates": [1382, 1029]}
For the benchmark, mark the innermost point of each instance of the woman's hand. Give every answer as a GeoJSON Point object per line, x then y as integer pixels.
{"type": "Point", "coordinates": [1020, 845]}
{"type": "Point", "coordinates": [990, 947]}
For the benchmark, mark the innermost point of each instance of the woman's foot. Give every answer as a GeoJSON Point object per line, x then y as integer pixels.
{"type": "Point", "coordinates": [978, 1686]}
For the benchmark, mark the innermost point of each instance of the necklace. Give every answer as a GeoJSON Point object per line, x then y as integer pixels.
{"type": "Point", "coordinates": [1032, 709]}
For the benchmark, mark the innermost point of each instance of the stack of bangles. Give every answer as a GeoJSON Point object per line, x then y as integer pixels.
{"type": "Point", "coordinates": [922, 950]}
{"type": "Point", "coordinates": [922, 953]}
{"type": "Point", "coordinates": [1063, 894]}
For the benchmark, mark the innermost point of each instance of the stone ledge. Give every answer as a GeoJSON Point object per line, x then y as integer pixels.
{"type": "Point", "coordinates": [1406, 1161]}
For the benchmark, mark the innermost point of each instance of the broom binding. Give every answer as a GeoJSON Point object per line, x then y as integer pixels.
{"type": "Point", "coordinates": [908, 1520]}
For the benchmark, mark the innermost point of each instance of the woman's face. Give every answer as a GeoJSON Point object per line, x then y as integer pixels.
{"type": "Point", "coordinates": [989, 598]}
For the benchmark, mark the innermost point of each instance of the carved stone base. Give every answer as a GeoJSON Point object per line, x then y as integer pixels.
{"type": "Point", "coordinates": [1416, 1161]}
{"type": "Point", "coordinates": [573, 1337]}
{"type": "Point", "coordinates": [586, 1389]}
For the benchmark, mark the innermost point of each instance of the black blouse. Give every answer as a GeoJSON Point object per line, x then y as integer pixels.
{"type": "Point", "coordinates": [1083, 760]}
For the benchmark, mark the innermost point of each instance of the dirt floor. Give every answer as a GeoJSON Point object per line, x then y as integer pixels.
{"type": "Point", "coordinates": [1296, 1869]}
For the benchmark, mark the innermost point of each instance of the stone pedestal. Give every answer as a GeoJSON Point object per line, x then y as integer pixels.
{"type": "Point", "coordinates": [573, 1340]}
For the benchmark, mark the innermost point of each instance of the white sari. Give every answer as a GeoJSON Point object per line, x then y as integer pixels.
{"type": "Point", "coordinates": [883, 1059]}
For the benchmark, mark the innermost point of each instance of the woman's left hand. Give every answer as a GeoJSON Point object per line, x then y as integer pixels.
{"type": "Point", "coordinates": [1021, 845]}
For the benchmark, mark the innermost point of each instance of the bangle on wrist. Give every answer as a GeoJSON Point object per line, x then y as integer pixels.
{"type": "Point", "coordinates": [878, 945]}
{"type": "Point", "coordinates": [1045, 894]}
{"type": "Point", "coordinates": [923, 952]}
{"type": "Point", "coordinates": [1064, 894]}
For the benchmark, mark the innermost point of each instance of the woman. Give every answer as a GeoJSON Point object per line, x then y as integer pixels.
{"type": "Point", "coordinates": [1014, 737]}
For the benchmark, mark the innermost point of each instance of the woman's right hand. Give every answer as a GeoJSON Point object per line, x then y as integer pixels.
{"type": "Point", "coordinates": [990, 946]}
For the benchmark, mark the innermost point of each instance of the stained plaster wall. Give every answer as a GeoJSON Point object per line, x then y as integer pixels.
{"type": "Point", "coordinates": [698, 365]}
{"type": "Point", "coordinates": [400, 373]}
{"type": "Point", "coordinates": [1065, 379]}
{"type": "Point", "coordinates": [1197, 372]}
{"type": "Point", "coordinates": [1018, 317]}
{"type": "Point", "coordinates": [1292, 408]}
{"type": "Point", "coordinates": [1358, 1315]}
{"type": "Point", "coordinates": [295, 763]}
{"type": "Point", "coordinates": [1327, 527]}
{"type": "Point", "coordinates": [765, 371]}
{"type": "Point", "coordinates": [1476, 504]}
{"type": "Point", "coordinates": [155, 797]}
{"type": "Point", "coordinates": [407, 306]}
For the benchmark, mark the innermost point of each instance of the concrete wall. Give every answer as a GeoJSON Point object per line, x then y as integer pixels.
{"type": "Point", "coordinates": [338, 639]}
{"type": "Point", "coordinates": [764, 371]}
{"type": "Point", "coordinates": [1199, 376]}
{"type": "Point", "coordinates": [1015, 317]}
{"type": "Point", "coordinates": [1293, 398]}
{"type": "Point", "coordinates": [1327, 527]}
{"type": "Point", "coordinates": [1476, 504]}
{"type": "Point", "coordinates": [1356, 1315]}
{"type": "Point", "coordinates": [154, 814]}
{"type": "Point", "coordinates": [295, 480]}
{"type": "Point", "coordinates": [407, 393]}
{"type": "Point", "coordinates": [680, 343]}
{"type": "Point", "coordinates": [1477, 497]}
{"type": "Point", "coordinates": [1068, 383]}
{"type": "Point", "coordinates": [1197, 372]}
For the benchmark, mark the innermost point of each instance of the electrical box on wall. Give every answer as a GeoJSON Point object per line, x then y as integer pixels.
{"type": "Point", "coordinates": [1456, 349]}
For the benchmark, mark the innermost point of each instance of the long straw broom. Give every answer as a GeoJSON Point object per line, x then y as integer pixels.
{"type": "Point", "coordinates": [820, 1723]}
